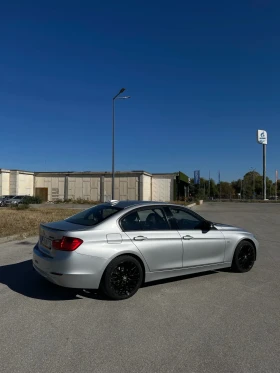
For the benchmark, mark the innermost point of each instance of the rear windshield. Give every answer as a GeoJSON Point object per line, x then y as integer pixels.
{"type": "Point", "coordinates": [93, 216]}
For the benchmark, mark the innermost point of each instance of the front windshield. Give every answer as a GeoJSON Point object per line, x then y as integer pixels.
{"type": "Point", "coordinates": [94, 215]}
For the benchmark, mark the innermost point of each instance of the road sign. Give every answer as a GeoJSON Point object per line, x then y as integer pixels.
{"type": "Point", "coordinates": [197, 177]}
{"type": "Point", "coordinates": [262, 137]}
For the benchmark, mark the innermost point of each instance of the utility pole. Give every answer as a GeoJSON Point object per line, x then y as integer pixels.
{"type": "Point", "coordinates": [276, 180]}
{"type": "Point", "coordinates": [262, 139]}
{"type": "Point", "coordinates": [254, 184]}
{"type": "Point", "coordinates": [209, 187]}
{"type": "Point", "coordinates": [264, 172]}
{"type": "Point", "coordinates": [220, 183]}
{"type": "Point", "coordinates": [113, 139]}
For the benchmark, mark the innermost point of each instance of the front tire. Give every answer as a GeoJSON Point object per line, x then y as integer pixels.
{"type": "Point", "coordinates": [244, 257]}
{"type": "Point", "coordinates": [122, 278]}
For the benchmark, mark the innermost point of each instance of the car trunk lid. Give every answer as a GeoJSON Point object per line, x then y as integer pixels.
{"type": "Point", "coordinates": [54, 231]}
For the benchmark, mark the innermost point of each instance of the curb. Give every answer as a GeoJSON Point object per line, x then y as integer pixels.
{"type": "Point", "coordinates": [191, 205]}
{"type": "Point", "coordinates": [15, 237]}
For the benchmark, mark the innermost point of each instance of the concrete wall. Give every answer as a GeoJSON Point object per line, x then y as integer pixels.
{"type": "Point", "coordinates": [25, 184]}
{"type": "Point", "coordinates": [125, 188]}
{"type": "Point", "coordinates": [163, 188]}
{"type": "Point", "coordinates": [14, 182]}
{"type": "Point", "coordinates": [55, 185]}
{"type": "Point", "coordinates": [84, 187]}
{"type": "Point", "coordinates": [69, 187]}
{"type": "Point", "coordinates": [147, 187]}
{"type": "Point", "coordinates": [1, 184]}
{"type": "Point", "coordinates": [129, 188]}
{"type": "Point", "coordinates": [94, 186]}
{"type": "Point", "coordinates": [4, 182]}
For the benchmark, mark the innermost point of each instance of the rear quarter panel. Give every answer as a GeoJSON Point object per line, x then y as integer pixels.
{"type": "Point", "coordinates": [107, 243]}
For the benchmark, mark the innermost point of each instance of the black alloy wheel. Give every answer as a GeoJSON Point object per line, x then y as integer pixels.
{"type": "Point", "coordinates": [122, 278]}
{"type": "Point", "coordinates": [244, 257]}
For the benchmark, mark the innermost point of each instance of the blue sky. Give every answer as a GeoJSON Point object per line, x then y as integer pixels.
{"type": "Point", "coordinates": [203, 76]}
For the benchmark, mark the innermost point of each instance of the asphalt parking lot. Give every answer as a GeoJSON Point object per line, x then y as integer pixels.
{"type": "Point", "coordinates": [215, 322]}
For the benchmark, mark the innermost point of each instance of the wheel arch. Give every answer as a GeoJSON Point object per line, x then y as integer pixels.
{"type": "Point", "coordinates": [253, 243]}
{"type": "Point", "coordinates": [135, 256]}
{"type": "Point", "coordinates": [248, 240]}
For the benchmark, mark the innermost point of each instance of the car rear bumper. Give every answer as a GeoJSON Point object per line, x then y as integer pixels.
{"type": "Point", "coordinates": [70, 270]}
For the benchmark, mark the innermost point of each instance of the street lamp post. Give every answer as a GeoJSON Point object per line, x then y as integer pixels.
{"type": "Point", "coordinates": [113, 138]}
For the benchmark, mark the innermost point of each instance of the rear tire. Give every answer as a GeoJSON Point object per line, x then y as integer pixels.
{"type": "Point", "coordinates": [244, 257]}
{"type": "Point", "coordinates": [122, 278]}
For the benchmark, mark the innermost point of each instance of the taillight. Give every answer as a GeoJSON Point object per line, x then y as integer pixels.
{"type": "Point", "coordinates": [67, 243]}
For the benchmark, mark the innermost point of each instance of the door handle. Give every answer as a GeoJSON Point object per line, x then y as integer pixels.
{"type": "Point", "coordinates": [187, 237]}
{"type": "Point", "coordinates": [140, 238]}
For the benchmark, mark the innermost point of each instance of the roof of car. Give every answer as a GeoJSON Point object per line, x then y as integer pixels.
{"type": "Point", "coordinates": [126, 204]}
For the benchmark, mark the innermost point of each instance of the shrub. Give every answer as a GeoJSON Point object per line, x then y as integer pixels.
{"type": "Point", "coordinates": [23, 206]}
{"type": "Point", "coordinates": [79, 201]}
{"type": "Point", "coordinates": [82, 201]}
{"type": "Point", "coordinates": [30, 200]}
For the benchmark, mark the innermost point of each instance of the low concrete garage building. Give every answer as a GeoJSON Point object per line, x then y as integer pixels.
{"type": "Point", "coordinates": [95, 186]}
{"type": "Point", "coordinates": [16, 182]}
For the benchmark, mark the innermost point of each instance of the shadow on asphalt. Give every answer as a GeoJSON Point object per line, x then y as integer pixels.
{"type": "Point", "coordinates": [25, 243]}
{"type": "Point", "coordinates": [180, 278]}
{"type": "Point", "coordinates": [23, 279]}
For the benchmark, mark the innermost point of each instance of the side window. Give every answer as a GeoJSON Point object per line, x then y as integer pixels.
{"type": "Point", "coordinates": [185, 220]}
{"type": "Point", "coordinates": [153, 220]}
{"type": "Point", "coordinates": [131, 222]}
{"type": "Point", "coordinates": [146, 220]}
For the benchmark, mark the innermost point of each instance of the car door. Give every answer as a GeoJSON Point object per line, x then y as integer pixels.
{"type": "Point", "coordinates": [200, 246]}
{"type": "Point", "coordinates": [150, 232]}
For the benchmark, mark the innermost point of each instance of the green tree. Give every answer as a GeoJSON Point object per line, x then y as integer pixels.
{"type": "Point", "coordinates": [237, 187]}
{"type": "Point", "coordinates": [253, 185]}
{"type": "Point", "coordinates": [213, 189]}
{"type": "Point", "coordinates": [201, 191]}
{"type": "Point", "coordinates": [278, 189]}
{"type": "Point", "coordinates": [227, 191]}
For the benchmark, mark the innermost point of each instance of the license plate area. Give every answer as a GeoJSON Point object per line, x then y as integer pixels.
{"type": "Point", "coordinates": [46, 242]}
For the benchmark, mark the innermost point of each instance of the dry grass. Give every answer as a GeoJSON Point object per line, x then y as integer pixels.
{"type": "Point", "coordinates": [26, 223]}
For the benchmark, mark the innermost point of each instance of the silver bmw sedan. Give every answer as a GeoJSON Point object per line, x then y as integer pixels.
{"type": "Point", "coordinates": [118, 246]}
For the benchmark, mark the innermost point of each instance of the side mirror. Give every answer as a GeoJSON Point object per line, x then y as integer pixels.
{"type": "Point", "coordinates": [206, 225]}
